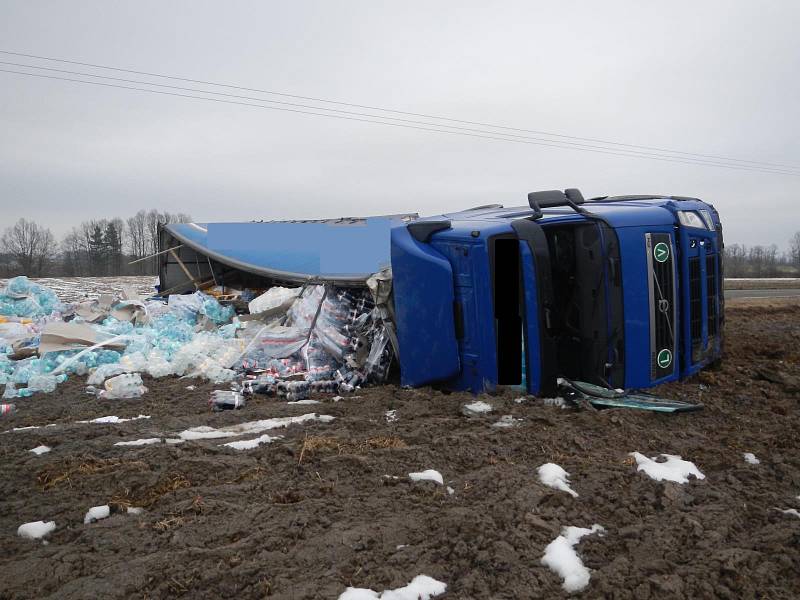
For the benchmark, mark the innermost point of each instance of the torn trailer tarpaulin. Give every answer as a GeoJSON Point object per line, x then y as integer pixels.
{"type": "Point", "coordinates": [343, 252]}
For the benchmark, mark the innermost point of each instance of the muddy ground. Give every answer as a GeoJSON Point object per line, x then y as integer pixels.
{"type": "Point", "coordinates": [312, 513]}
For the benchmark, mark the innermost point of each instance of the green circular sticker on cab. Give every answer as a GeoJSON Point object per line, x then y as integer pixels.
{"type": "Point", "coordinates": [661, 252]}
{"type": "Point", "coordinates": [664, 358]}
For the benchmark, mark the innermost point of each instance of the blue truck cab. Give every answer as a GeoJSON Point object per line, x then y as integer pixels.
{"type": "Point", "coordinates": [624, 292]}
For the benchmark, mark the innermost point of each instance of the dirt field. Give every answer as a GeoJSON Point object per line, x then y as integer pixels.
{"type": "Point", "coordinates": [314, 512]}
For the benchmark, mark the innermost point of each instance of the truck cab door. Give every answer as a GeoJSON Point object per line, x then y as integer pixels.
{"type": "Point", "coordinates": [424, 302]}
{"type": "Point", "coordinates": [537, 290]}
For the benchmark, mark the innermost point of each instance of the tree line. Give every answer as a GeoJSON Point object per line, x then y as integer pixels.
{"type": "Point", "coordinates": [763, 261]}
{"type": "Point", "coordinates": [95, 248]}
{"type": "Point", "coordinates": [107, 246]}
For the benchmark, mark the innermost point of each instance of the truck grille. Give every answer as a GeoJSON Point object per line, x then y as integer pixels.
{"type": "Point", "coordinates": [711, 287]}
{"type": "Point", "coordinates": [660, 259]}
{"type": "Point", "coordinates": [695, 303]}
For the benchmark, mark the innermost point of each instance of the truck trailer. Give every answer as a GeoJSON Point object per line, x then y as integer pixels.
{"type": "Point", "coordinates": [617, 291]}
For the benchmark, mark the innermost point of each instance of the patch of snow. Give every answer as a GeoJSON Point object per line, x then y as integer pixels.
{"type": "Point", "coordinates": [306, 401]}
{"type": "Point", "coordinates": [39, 450]}
{"type": "Point", "coordinates": [209, 433]}
{"type": "Point", "coordinates": [560, 556]}
{"type": "Point", "coordinates": [391, 416]}
{"type": "Point", "coordinates": [191, 388]}
{"type": "Point", "coordinates": [427, 475]}
{"type": "Point", "coordinates": [477, 408]}
{"type": "Point", "coordinates": [96, 513]}
{"type": "Point", "coordinates": [36, 529]}
{"type": "Point", "coordinates": [254, 443]}
{"type": "Point", "coordinates": [135, 510]}
{"type": "Point", "coordinates": [140, 442]}
{"type": "Point", "coordinates": [401, 546]}
{"type": "Point", "coordinates": [552, 475]}
{"type": "Point", "coordinates": [672, 469]}
{"type": "Point", "coordinates": [791, 511]}
{"type": "Point", "coordinates": [520, 400]}
{"type": "Point", "coordinates": [114, 419]}
{"type": "Point", "coordinates": [173, 441]}
{"type": "Point", "coordinates": [751, 458]}
{"type": "Point", "coordinates": [507, 421]}
{"type": "Point", "coordinates": [421, 587]}
{"type": "Point", "coordinates": [450, 490]}
{"type": "Point", "coordinates": [28, 428]}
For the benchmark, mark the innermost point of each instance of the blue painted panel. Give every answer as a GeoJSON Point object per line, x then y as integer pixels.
{"type": "Point", "coordinates": [533, 360]}
{"type": "Point", "coordinates": [469, 260]}
{"type": "Point", "coordinates": [318, 249]}
{"type": "Point", "coordinates": [423, 301]}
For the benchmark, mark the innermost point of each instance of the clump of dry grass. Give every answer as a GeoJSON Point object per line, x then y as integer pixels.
{"type": "Point", "coordinates": [70, 470]}
{"type": "Point", "coordinates": [168, 523]}
{"type": "Point", "coordinates": [148, 496]}
{"type": "Point", "coordinates": [248, 475]}
{"type": "Point", "coordinates": [319, 443]}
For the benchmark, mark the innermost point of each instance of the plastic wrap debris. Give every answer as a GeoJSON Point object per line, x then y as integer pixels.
{"type": "Point", "coordinates": [332, 338]}
{"type": "Point", "coordinates": [24, 298]}
{"type": "Point", "coordinates": [273, 298]}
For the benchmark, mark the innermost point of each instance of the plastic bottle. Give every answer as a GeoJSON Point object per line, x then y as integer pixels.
{"type": "Point", "coordinates": [226, 400]}
{"type": "Point", "coordinates": [6, 410]}
{"type": "Point", "coordinates": [42, 383]}
{"type": "Point", "coordinates": [128, 385]}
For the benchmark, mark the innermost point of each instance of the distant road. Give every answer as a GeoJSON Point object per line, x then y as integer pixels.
{"type": "Point", "coordinates": [741, 294]}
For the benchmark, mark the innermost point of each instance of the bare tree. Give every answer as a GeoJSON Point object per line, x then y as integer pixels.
{"type": "Point", "coordinates": [136, 237]}
{"type": "Point", "coordinates": [794, 251]}
{"type": "Point", "coordinates": [29, 245]}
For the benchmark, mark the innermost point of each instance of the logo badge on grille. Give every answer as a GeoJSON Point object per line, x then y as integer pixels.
{"type": "Point", "coordinates": [663, 305]}
{"type": "Point", "coordinates": [664, 358]}
{"type": "Point", "coordinates": [661, 252]}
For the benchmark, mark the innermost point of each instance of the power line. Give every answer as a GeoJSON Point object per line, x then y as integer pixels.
{"type": "Point", "coordinates": [552, 143]}
{"type": "Point", "coordinates": [371, 116]}
{"type": "Point", "coordinates": [394, 111]}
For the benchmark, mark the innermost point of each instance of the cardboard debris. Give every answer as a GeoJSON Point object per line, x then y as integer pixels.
{"type": "Point", "coordinates": [59, 337]}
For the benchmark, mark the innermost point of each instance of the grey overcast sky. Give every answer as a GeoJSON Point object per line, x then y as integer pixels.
{"type": "Point", "coordinates": [709, 77]}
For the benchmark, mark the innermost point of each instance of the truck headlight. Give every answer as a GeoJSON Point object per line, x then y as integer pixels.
{"type": "Point", "coordinates": [689, 218]}
{"type": "Point", "coordinates": [707, 218]}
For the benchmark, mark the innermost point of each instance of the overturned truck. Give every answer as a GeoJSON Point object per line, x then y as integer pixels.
{"type": "Point", "coordinates": [622, 292]}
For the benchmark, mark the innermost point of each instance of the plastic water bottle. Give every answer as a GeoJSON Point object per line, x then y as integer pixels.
{"type": "Point", "coordinates": [128, 385]}
{"type": "Point", "coordinates": [224, 400]}
{"type": "Point", "coordinates": [6, 410]}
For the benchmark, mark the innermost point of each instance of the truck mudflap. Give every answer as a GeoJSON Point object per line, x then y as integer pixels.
{"type": "Point", "coordinates": [424, 311]}
{"type": "Point", "coordinates": [541, 367]}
